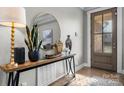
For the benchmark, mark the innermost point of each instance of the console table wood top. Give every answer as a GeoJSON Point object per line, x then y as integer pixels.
{"type": "Point", "coordinates": [30, 65]}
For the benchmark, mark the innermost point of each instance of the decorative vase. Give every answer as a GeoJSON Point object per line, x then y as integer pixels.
{"type": "Point", "coordinates": [68, 43]}
{"type": "Point", "coordinates": [33, 56]}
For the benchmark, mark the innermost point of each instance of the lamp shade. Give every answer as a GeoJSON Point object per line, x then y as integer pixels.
{"type": "Point", "coordinates": [12, 14]}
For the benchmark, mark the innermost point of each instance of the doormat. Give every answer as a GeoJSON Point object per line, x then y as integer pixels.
{"type": "Point", "coordinates": [81, 80]}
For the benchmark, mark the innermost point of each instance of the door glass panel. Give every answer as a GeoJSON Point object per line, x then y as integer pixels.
{"type": "Point", "coordinates": [107, 22]}
{"type": "Point", "coordinates": [107, 43]}
{"type": "Point", "coordinates": [98, 24]}
{"type": "Point", "coordinates": [98, 43]}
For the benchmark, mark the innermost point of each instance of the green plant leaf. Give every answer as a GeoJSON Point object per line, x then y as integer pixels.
{"type": "Point", "coordinates": [29, 38]}
{"type": "Point", "coordinates": [28, 31]}
{"type": "Point", "coordinates": [40, 43]}
{"type": "Point", "coordinates": [37, 34]}
{"type": "Point", "coordinates": [28, 45]}
{"type": "Point", "coordinates": [31, 44]}
{"type": "Point", "coordinates": [36, 40]}
{"type": "Point", "coordinates": [33, 32]}
{"type": "Point", "coordinates": [32, 40]}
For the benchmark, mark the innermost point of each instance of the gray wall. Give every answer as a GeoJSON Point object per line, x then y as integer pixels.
{"type": "Point", "coordinates": [70, 21]}
{"type": "Point", "coordinates": [123, 37]}
{"type": "Point", "coordinates": [85, 36]}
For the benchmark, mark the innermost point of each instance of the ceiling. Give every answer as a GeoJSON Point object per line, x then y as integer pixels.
{"type": "Point", "coordinates": [88, 8]}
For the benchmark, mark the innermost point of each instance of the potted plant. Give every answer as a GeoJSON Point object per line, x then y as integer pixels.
{"type": "Point", "coordinates": [33, 43]}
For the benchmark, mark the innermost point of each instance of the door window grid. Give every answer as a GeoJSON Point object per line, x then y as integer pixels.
{"type": "Point", "coordinates": [103, 29]}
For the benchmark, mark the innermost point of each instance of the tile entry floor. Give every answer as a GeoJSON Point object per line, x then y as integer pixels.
{"type": "Point", "coordinates": [90, 72]}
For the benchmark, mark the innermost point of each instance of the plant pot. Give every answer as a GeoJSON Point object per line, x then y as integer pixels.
{"type": "Point", "coordinates": [33, 56]}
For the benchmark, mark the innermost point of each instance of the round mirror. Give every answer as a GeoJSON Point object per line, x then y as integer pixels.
{"type": "Point", "coordinates": [49, 30]}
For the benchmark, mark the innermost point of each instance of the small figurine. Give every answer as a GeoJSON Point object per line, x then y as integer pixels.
{"type": "Point", "coordinates": [68, 43]}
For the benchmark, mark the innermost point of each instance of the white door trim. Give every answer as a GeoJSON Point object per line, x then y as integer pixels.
{"type": "Point", "coordinates": [119, 36]}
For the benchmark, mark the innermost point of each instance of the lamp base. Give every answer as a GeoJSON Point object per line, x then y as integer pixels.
{"type": "Point", "coordinates": [11, 65]}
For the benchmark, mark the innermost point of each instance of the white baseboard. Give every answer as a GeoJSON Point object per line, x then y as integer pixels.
{"type": "Point", "coordinates": [53, 80]}
{"type": "Point", "coordinates": [77, 68]}
{"type": "Point", "coordinates": [122, 72]}
{"type": "Point", "coordinates": [57, 78]}
{"type": "Point", "coordinates": [86, 65]}
{"type": "Point", "coordinates": [81, 66]}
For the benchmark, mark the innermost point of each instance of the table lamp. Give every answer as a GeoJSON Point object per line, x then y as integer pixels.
{"type": "Point", "coordinates": [12, 17]}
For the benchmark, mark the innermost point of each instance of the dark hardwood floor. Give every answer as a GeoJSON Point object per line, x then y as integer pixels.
{"type": "Point", "coordinates": [90, 72]}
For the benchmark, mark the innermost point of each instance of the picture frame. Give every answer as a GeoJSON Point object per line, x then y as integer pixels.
{"type": "Point", "coordinates": [47, 36]}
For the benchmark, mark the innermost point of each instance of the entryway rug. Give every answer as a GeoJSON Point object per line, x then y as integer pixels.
{"type": "Point", "coordinates": [81, 80]}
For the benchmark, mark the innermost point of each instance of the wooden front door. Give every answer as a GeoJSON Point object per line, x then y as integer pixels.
{"type": "Point", "coordinates": [104, 39]}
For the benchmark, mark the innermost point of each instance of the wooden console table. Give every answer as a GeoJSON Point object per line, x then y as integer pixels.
{"type": "Point", "coordinates": [14, 73]}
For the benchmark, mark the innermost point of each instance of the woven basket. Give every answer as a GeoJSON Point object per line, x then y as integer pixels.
{"type": "Point", "coordinates": [58, 47]}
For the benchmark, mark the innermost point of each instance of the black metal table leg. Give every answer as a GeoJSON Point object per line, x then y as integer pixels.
{"type": "Point", "coordinates": [70, 66]}
{"type": "Point", "coordinates": [9, 79]}
{"type": "Point", "coordinates": [74, 65]}
{"type": "Point", "coordinates": [16, 79]}
{"type": "Point", "coordinates": [67, 71]}
{"type": "Point", "coordinates": [13, 79]}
